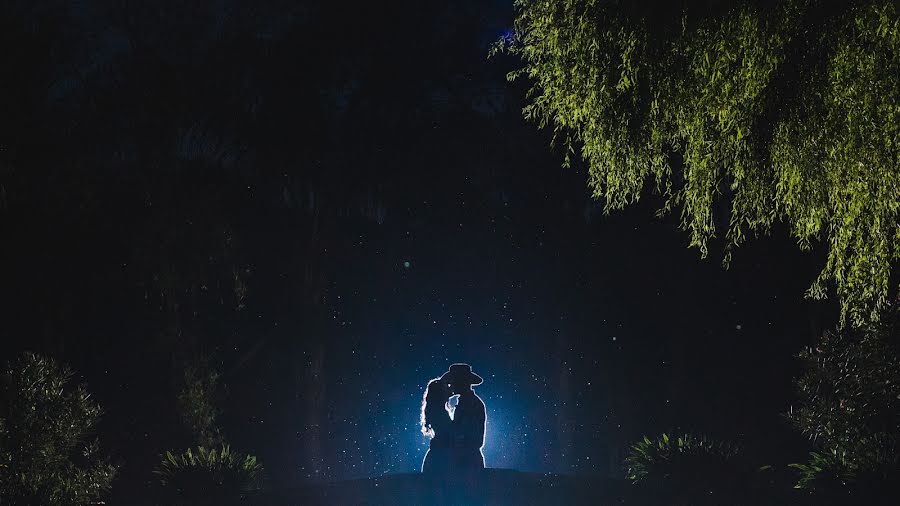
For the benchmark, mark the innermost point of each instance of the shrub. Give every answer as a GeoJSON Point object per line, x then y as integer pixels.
{"type": "Point", "coordinates": [834, 477]}
{"type": "Point", "coordinates": [824, 470]}
{"type": "Point", "coordinates": [208, 476]}
{"type": "Point", "coordinates": [688, 469]}
{"type": "Point", "coordinates": [44, 458]}
{"type": "Point", "coordinates": [850, 407]}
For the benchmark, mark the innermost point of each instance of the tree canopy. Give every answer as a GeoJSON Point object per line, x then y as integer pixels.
{"type": "Point", "coordinates": [738, 116]}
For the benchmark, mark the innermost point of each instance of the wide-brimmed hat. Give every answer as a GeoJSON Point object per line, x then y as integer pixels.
{"type": "Point", "coordinates": [461, 373]}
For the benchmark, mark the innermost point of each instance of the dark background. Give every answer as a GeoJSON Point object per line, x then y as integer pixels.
{"type": "Point", "coordinates": [335, 202]}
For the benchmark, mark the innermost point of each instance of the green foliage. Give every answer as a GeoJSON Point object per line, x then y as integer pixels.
{"type": "Point", "coordinates": [197, 402]}
{"type": "Point", "coordinates": [738, 108]}
{"type": "Point", "coordinates": [827, 470]}
{"type": "Point", "coordinates": [842, 480]}
{"type": "Point", "coordinates": [850, 405]}
{"type": "Point", "coordinates": [693, 470]}
{"type": "Point", "coordinates": [44, 422]}
{"type": "Point", "coordinates": [208, 476]}
{"type": "Point", "coordinates": [836, 159]}
{"type": "Point", "coordinates": [670, 459]}
{"type": "Point", "coordinates": [211, 473]}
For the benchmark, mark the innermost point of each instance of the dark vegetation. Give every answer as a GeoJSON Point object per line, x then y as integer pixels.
{"type": "Point", "coordinates": [46, 456]}
{"type": "Point", "coordinates": [847, 407]}
{"type": "Point", "coordinates": [208, 476]}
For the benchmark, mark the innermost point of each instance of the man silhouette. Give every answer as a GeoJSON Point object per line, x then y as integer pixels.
{"type": "Point", "coordinates": [468, 419]}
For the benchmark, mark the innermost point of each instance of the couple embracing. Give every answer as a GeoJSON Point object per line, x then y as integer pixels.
{"type": "Point", "coordinates": [456, 432]}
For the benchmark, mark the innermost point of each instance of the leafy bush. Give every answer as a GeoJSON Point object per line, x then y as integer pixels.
{"type": "Point", "coordinates": [208, 476]}
{"type": "Point", "coordinates": [44, 458]}
{"type": "Point", "coordinates": [688, 469]}
{"type": "Point", "coordinates": [824, 470]}
{"type": "Point", "coordinates": [666, 457]}
{"type": "Point", "coordinates": [850, 406]}
{"type": "Point", "coordinates": [835, 477]}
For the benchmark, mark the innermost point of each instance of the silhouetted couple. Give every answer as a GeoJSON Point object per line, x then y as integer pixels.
{"type": "Point", "coordinates": [457, 433]}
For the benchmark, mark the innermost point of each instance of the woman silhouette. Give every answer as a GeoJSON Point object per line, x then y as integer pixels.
{"type": "Point", "coordinates": [436, 424]}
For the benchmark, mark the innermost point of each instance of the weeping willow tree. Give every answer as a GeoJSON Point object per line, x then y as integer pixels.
{"type": "Point", "coordinates": [738, 116]}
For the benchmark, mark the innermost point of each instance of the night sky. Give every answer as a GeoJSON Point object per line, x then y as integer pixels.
{"type": "Point", "coordinates": [336, 204]}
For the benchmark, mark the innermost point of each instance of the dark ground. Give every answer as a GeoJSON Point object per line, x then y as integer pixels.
{"type": "Point", "coordinates": [501, 487]}
{"type": "Point", "coordinates": [493, 487]}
